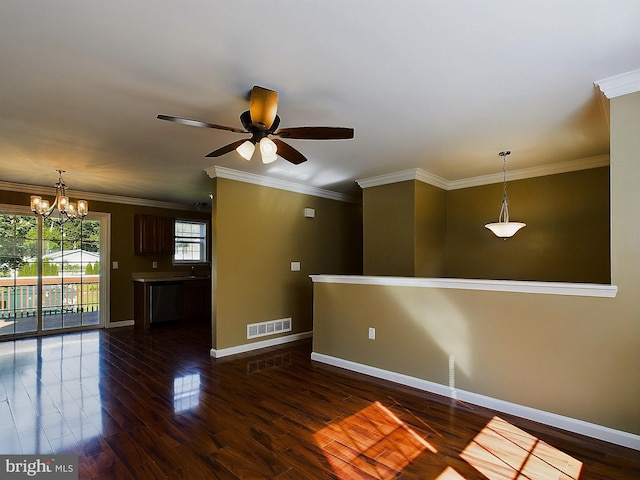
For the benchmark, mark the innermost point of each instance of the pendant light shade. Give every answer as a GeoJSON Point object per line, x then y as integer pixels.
{"type": "Point", "coordinates": [503, 228]}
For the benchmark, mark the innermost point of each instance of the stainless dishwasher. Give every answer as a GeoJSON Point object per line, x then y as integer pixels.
{"type": "Point", "coordinates": [166, 302]}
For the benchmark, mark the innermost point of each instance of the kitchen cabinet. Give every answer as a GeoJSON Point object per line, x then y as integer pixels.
{"type": "Point", "coordinates": [153, 235]}
{"type": "Point", "coordinates": [189, 300]}
{"type": "Point", "coordinates": [197, 300]}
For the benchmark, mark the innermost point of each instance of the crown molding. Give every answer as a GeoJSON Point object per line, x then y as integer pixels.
{"type": "Point", "coordinates": [619, 85]}
{"type": "Point", "coordinates": [96, 197]}
{"type": "Point", "coordinates": [422, 176]}
{"type": "Point", "coordinates": [216, 171]}
{"type": "Point", "coordinates": [402, 176]}
{"type": "Point", "coordinates": [532, 172]}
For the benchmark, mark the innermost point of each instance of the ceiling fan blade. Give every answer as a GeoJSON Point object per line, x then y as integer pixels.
{"type": "Point", "coordinates": [226, 148]}
{"type": "Point", "coordinates": [288, 152]}
{"type": "Point", "coordinates": [198, 123]}
{"type": "Point", "coordinates": [316, 133]}
{"type": "Point", "coordinates": [263, 105]}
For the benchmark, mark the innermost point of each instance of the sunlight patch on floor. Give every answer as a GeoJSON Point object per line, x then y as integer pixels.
{"type": "Point", "coordinates": [372, 442]}
{"type": "Point", "coordinates": [502, 451]}
{"type": "Point", "coordinates": [450, 474]}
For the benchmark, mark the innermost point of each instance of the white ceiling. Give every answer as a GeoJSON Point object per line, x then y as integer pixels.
{"type": "Point", "coordinates": [438, 85]}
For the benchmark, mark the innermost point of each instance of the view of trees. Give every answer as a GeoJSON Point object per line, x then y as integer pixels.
{"type": "Point", "coordinates": [19, 237]}
{"type": "Point", "coordinates": [31, 269]}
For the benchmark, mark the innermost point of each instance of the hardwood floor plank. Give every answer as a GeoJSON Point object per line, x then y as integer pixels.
{"type": "Point", "coordinates": [153, 404]}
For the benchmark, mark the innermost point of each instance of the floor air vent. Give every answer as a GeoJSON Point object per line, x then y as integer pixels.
{"type": "Point", "coordinates": [268, 328]}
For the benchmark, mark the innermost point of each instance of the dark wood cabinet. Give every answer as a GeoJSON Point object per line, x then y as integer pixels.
{"type": "Point", "coordinates": [197, 300]}
{"type": "Point", "coordinates": [193, 304]}
{"type": "Point", "coordinates": [153, 235]}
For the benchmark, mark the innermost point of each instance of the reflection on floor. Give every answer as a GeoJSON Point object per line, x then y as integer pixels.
{"type": "Point", "coordinates": [50, 388]}
{"type": "Point", "coordinates": [28, 324]}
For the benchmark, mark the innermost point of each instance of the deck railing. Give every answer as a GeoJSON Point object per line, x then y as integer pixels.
{"type": "Point", "coordinates": [68, 294]}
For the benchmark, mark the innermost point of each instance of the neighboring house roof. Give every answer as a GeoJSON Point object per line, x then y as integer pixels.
{"type": "Point", "coordinates": [73, 257]}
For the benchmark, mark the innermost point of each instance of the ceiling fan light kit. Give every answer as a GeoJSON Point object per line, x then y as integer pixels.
{"type": "Point", "coordinates": [261, 120]}
{"type": "Point", "coordinates": [246, 149]}
{"type": "Point", "coordinates": [503, 228]}
{"type": "Point", "coordinates": [268, 150]}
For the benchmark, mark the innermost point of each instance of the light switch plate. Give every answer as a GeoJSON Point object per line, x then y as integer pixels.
{"type": "Point", "coordinates": [295, 266]}
{"type": "Point", "coordinates": [115, 265]}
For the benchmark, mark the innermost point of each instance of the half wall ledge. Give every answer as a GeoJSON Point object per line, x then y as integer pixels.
{"type": "Point", "coordinates": [545, 288]}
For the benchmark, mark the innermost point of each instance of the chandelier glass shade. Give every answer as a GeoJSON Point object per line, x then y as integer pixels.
{"type": "Point", "coordinates": [68, 210]}
{"type": "Point", "coordinates": [504, 228]}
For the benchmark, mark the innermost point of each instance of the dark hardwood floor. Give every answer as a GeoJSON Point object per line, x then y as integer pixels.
{"type": "Point", "coordinates": [137, 405]}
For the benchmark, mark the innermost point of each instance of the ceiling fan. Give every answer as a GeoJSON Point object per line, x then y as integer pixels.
{"type": "Point", "coordinates": [261, 121]}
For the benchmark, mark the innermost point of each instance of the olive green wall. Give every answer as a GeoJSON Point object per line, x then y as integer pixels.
{"type": "Point", "coordinates": [122, 215]}
{"type": "Point", "coordinates": [404, 229]}
{"type": "Point", "coordinates": [550, 352]}
{"type": "Point", "coordinates": [573, 356]}
{"type": "Point", "coordinates": [388, 229]}
{"type": "Point", "coordinates": [430, 230]}
{"type": "Point", "coordinates": [415, 229]}
{"type": "Point", "coordinates": [258, 232]}
{"type": "Point", "coordinates": [566, 238]}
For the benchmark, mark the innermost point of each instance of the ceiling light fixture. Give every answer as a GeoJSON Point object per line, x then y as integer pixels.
{"type": "Point", "coordinates": [67, 209]}
{"type": "Point", "coordinates": [246, 150]}
{"type": "Point", "coordinates": [268, 150]}
{"type": "Point", "coordinates": [503, 228]}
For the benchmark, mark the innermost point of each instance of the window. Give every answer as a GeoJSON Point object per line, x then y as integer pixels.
{"type": "Point", "coordinates": [190, 242]}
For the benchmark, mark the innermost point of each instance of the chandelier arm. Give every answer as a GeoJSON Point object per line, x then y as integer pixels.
{"type": "Point", "coordinates": [47, 213]}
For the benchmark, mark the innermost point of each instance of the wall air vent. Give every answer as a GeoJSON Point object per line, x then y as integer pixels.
{"type": "Point", "coordinates": [271, 327]}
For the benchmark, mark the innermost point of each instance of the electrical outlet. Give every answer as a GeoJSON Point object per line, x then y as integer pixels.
{"type": "Point", "coordinates": [115, 265]}
{"type": "Point", "coordinates": [372, 333]}
{"type": "Point", "coordinates": [155, 264]}
{"type": "Point", "coordinates": [295, 266]}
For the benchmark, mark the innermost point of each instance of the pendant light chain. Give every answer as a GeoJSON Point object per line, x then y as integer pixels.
{"type": "Point", "coordinates": [504, 211]}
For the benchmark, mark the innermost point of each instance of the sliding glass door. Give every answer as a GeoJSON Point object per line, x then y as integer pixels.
{"type": "Point", "coordinates": [19, 293]}
{"type": "Point", "coordinates": [50, 273]}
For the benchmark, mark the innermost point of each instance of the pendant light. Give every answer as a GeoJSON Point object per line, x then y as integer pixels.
{"type": "Point", "coordinates": [503, 228]}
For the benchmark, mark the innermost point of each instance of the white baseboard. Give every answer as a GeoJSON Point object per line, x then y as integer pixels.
{"type": "Point", "coordinates": [247, 347]}
{"type": "Point", "coordinates": [121, 323]}
{"type": "Point", "coordinates": [581, 427]}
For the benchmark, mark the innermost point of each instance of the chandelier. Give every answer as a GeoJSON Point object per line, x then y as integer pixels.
{"type": "Point", "coordinates": [503, 228]}
{"type": "Point", "coordinates": [68, 210]}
